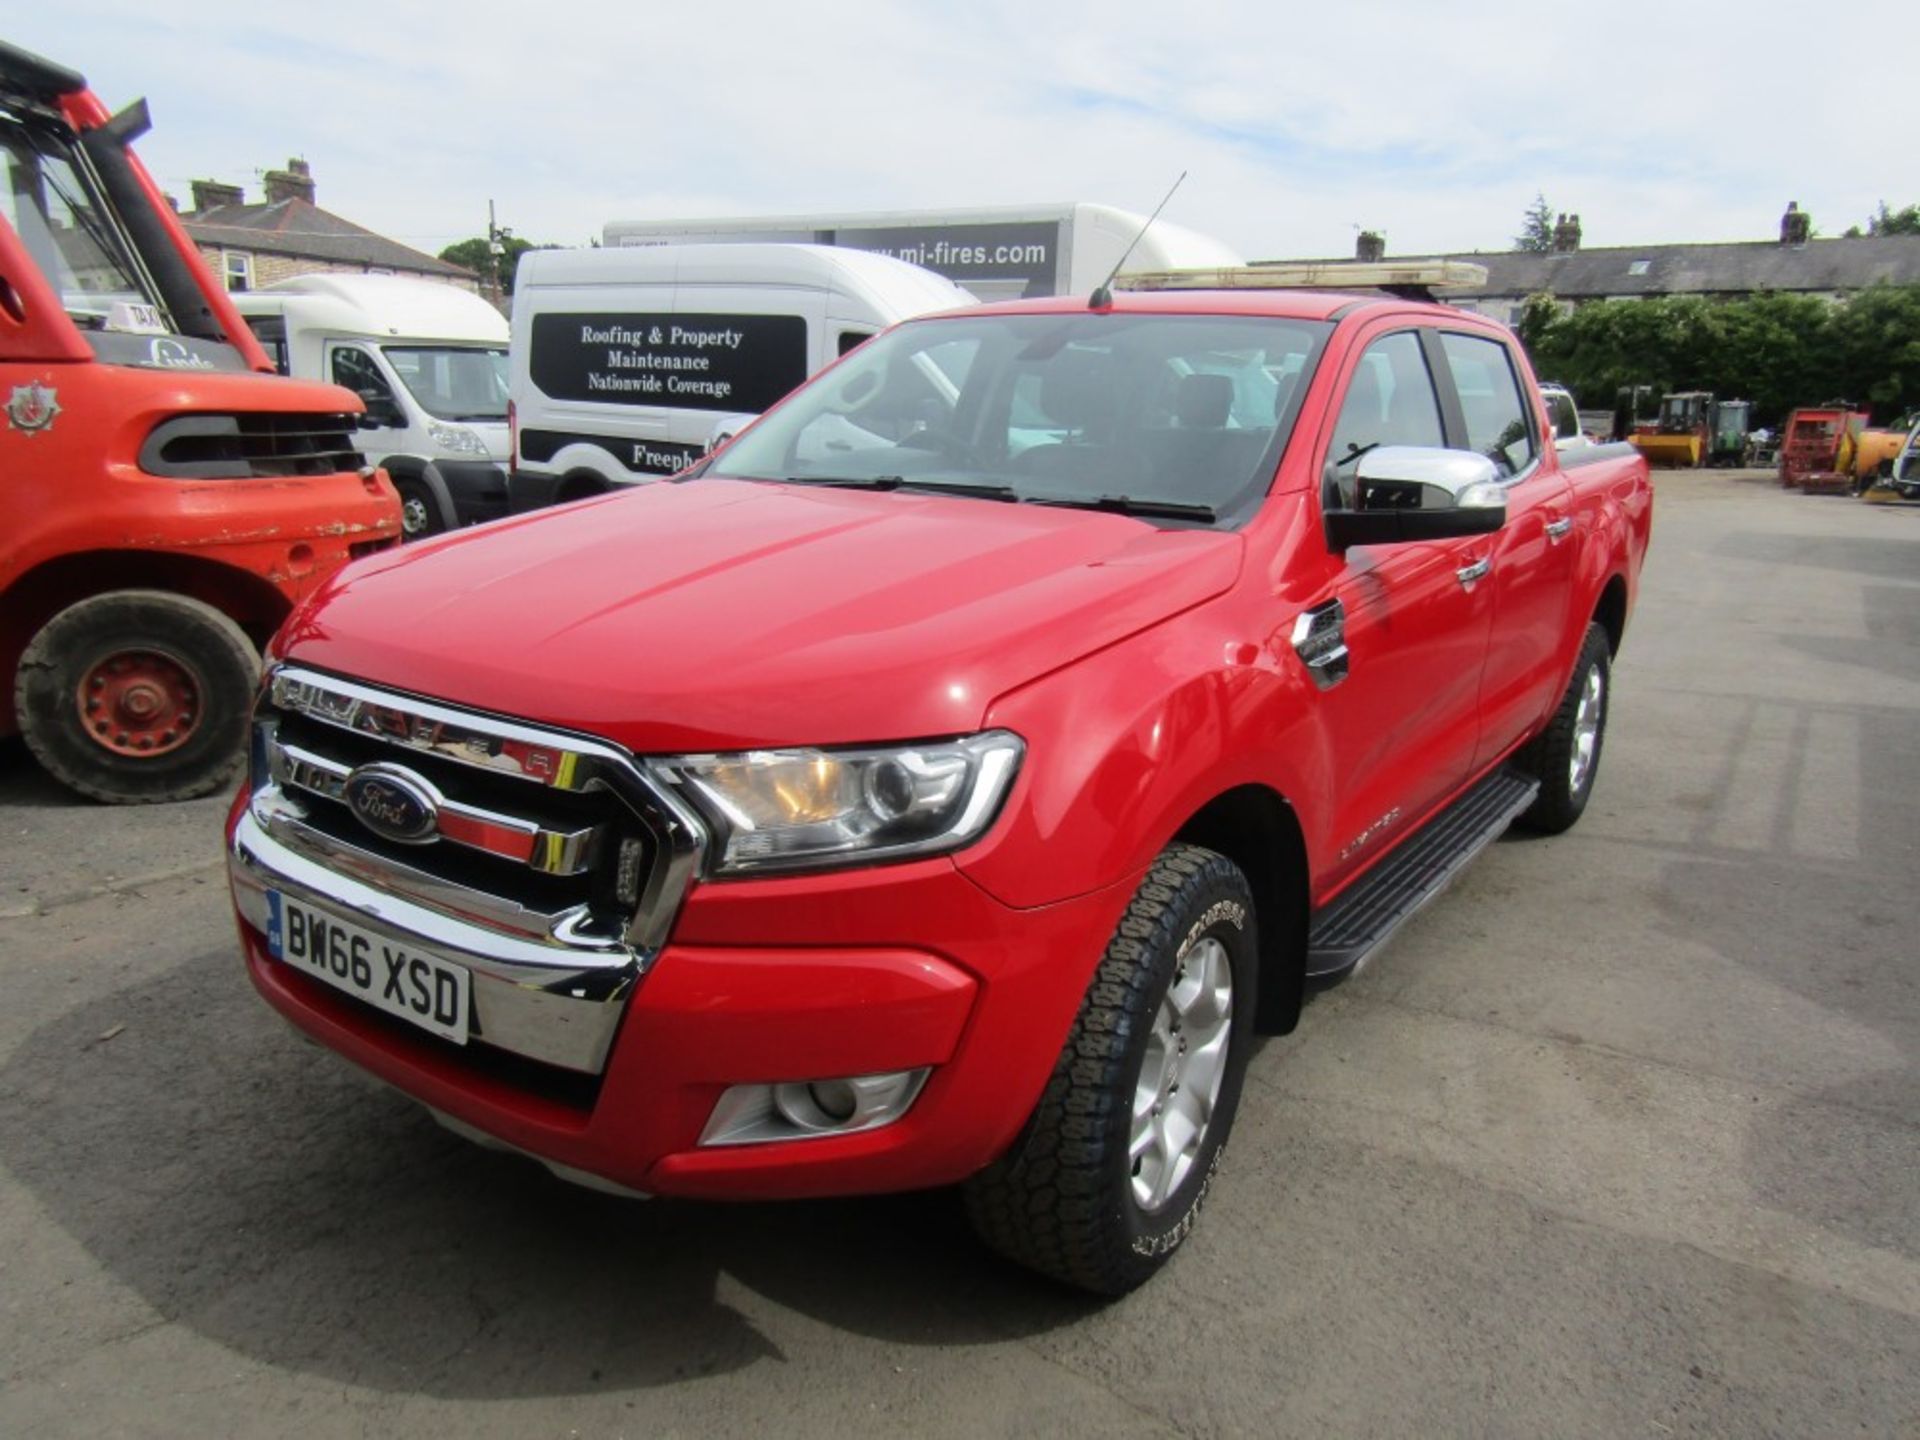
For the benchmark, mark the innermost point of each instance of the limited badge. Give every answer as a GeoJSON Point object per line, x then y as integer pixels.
{"type": "Point", "coordinates": [32, 408]}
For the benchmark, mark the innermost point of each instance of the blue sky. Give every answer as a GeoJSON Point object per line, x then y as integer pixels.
{"type": "Point", "coordinates": [1297, 124]}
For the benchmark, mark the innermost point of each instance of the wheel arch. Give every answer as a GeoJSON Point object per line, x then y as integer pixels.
{"type": "Point", "coordinates": [424, 473]}
{"type": "Point", "coordinates": [1610, 612]}
{"type": "Point", "coordinates": [1254, 826]}
{"type": "Point", "coordinates": [580, 484]}
{"type": "Point", "coordinates": [254, 604]}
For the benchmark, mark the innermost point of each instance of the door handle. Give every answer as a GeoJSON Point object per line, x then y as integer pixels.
{"type": "Point", "coordinates": [1467, 574]}
{"type": "Point", "coordinates": [1557, 529]}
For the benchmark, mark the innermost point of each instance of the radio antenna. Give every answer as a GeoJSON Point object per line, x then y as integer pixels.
{"type": "Point", "coordinates": [1103, 292]}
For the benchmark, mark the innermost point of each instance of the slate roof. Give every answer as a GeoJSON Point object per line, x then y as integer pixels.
{"type": "Point", "coordinates": [1734, 269]}
{"type": "Point", "coordinates": [299, 227]}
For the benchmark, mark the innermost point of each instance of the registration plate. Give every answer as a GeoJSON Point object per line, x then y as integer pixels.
{"type": "Point", "coordinates": [386, 973]}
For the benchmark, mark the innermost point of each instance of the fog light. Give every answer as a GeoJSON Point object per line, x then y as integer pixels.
{"type": "Point", "coordinates": [804, 1109]}
{"type": "Point", "coordinates": [836, 1099]}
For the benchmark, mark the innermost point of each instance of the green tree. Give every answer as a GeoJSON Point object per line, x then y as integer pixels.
{"type": "Point", "coordinates": [1538, 314]}
{"type": "Point", "coordinates": [473, 254]}
{"type": "Point", "coordinates": [1894, 222]}
{"type": "Point", "coordinates": [1536, 229]}
{"type": "Point", "coordinates": [1779, 351]}
{"type": "Point", "coordinates": [1875, 349]}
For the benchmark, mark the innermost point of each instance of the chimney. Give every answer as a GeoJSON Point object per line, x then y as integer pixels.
{"type": "Point", "coordinates": [1796, 225]}
{"type": "Point", "coordinates": [293, 183]}
{"type": "Point", "coordinates": [212, 194]}
{"type": "Point", "coordinates": [1566, 235]}
{"type": "Point", "coordinates": [1371, 246]}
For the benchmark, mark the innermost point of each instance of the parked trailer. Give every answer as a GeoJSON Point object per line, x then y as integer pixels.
{"type": "Point", "coordinates": [1817, 453]}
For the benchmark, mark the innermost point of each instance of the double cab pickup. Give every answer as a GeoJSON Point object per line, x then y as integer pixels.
{"type": "Point", "coordinates": [947, 780]}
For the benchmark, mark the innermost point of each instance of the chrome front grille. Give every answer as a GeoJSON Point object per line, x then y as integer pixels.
{"type": "Point", "coordinates": [548, 861]}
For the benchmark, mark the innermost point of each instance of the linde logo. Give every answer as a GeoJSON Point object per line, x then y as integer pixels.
{"type": "Point", "coordinates": [394, 803]}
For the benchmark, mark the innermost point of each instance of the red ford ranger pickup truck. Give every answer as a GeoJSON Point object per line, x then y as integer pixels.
{"type": "Point", "coordinates": [945, 782]}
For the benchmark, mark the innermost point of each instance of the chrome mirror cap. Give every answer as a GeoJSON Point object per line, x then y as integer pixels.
{"type": "Point", "coordinates": [1448, 479]}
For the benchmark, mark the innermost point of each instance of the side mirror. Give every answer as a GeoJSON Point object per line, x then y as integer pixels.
{"type": "Point", "coordinates": [723, 433]}
{"type": "Point", "coordinates": [1410, 493]}
{"type": "Point", "coordinates": [381, 411]}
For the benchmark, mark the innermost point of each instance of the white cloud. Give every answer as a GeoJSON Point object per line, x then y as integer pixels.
{"type": "Point", "coordinates": [1435, 124]}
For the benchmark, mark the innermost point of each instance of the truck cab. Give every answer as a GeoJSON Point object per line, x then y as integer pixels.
{"type": "Point", "coordinates": [429, 362]}
{"type": "Point", "coordinates": [168, 499]}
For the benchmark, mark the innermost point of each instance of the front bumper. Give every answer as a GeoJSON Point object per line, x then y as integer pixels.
{"type": "Point", "coordinates": [885, 969]}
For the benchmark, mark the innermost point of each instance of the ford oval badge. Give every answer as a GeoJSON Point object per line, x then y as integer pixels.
{"type": "Point", "coordinates": [394, 803]}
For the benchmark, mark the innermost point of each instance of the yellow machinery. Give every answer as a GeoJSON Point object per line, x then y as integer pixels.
{"type": "Point", "coordinates": [1874, 452]}
{"type": "Point", "coordinates": [1682, 435]}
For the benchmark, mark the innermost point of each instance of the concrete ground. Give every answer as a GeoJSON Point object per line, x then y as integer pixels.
{"type": "Point", "coordinates": [1619, 1138]}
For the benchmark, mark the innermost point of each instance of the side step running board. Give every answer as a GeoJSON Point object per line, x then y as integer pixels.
{"type": "Point", "coordinates": [1364, 916]}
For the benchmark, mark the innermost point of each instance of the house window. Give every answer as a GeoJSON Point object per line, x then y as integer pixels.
{"type": "Point", "coordinates": [238, 268]}
{"type": "Point", "coordinates": [1639, 267]}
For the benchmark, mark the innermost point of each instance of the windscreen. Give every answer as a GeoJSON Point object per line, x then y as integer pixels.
{"type": "Point", "coordinates": [1118, 411]}
{"type": "Point", "coordinates": [59, 211]}
{"type": "Point", "coordinates": [453, 382]}
{"type": "Point", "coordinates": [64, 228]}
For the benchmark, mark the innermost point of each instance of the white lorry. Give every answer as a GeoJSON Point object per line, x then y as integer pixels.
{"type": "Point", "coordinates": [430, 362]}
{"type": "Point", "coordinates": [630, 364]}
{"type": "Point", "coordinates": [1000, 252]}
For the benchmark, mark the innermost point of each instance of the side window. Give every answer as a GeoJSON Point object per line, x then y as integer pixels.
{"type": "Point", "coordinates": [1490, 401]}
{"type": "Point", "coordinates": [852, 339]}
{"type": "Point", "coordinates": [1390, 401]}
{"type": "Point", "coordinates": [271, 332]}
{"type": "Point", "coordinates": [355, 370]}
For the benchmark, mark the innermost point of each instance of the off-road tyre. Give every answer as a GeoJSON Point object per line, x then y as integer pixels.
{"type": "Point", "coordinates": [1549, 756]}
{"type": "Point", "coordinates": [180, 636]}
{"type": "Point", "coordinates": [1062, 1200]}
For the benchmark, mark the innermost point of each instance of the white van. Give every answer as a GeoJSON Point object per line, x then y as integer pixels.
{"type": "Point", "coordinates": [629, 363]}
{"type": "Point", "coordinates": [429, 360]}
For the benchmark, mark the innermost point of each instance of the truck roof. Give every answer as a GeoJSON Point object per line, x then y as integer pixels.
{"type": "Point", "coordinates": [379, 306]}
{"type": "Point", "coordinates": [899, 287]}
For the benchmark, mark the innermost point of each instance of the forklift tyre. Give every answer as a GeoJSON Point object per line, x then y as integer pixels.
{"type": "Point", "coordinates": [137, 697]}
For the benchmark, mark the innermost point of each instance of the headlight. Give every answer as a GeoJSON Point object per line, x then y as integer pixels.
{"type": "Point", "coordinates": [813, 809]}
{"type": "Point", "coordinates": [457, 440]}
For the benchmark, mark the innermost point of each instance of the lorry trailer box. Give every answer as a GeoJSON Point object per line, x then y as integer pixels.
{"type": "Point", "coordinates": [997, 252]}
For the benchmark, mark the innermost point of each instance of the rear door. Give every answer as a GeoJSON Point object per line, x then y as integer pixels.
{"type": "Point", "coordinates": [1402, 722]}
{"type": "Point", "coordinates": [1530, 558]}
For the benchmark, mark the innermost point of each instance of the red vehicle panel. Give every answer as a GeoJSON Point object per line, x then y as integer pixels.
{"type": "Point", "coordinates": [167, 505]}
{"type": "Point", "coordinates": [942, 783]}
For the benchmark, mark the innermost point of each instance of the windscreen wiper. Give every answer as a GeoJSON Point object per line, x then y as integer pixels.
{"type": "Point", "coordinates": [901, 482]}
{"type": "Point", "coordinates": [1146, 507]}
